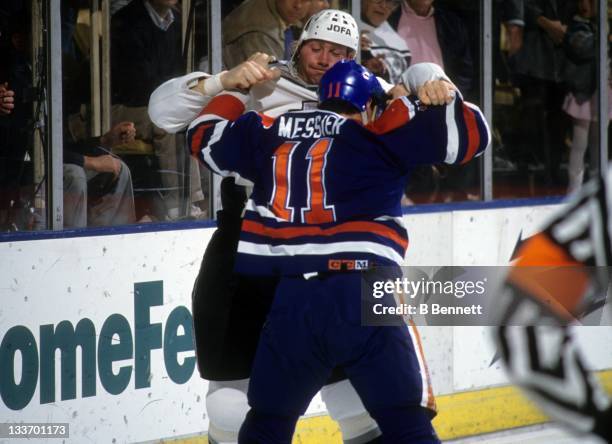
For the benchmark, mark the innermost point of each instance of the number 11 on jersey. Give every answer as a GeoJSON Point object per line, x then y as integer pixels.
{"type": "Point", "coordinates": [317, 210]}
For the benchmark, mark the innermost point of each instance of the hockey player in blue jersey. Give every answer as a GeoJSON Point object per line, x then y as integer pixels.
{"type": "Point", "coordinates": [230, 309]}
{"type": "Point", "coordinates": [325, 213]}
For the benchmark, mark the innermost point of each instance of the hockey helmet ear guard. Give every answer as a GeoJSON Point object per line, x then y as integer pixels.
{"type": "Point", "coordinates": [350, 82]}
{"type": "Point", "coordinates": [331, 25]}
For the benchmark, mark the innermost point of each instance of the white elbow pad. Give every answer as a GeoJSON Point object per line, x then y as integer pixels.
{"type": "Point", "coordinates": [173, 105]}
{"type": "Point", "coordinates": [419, 73]}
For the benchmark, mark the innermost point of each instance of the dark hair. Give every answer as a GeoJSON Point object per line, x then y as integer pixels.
{"type": "Point", "coordinates": [338, 106]}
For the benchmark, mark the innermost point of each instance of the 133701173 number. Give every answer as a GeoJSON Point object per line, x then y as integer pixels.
{"type": "Point", "coordinates": [34, 430]}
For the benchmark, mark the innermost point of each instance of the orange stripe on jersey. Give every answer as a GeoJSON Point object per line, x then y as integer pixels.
{"type": "Point", "coordinates": [394, 116]}
{"type": "Point", "coordinates": [267, 121]}
{"type": "Point", "coordinates": [281, 180]}
{"type": "Point", "coordinates": [225, 106]}
{"type": "Point", "coordinates": [431, 399]}
{"type": "Point", "coordinates": [318, 213]}
{"type": "Point", "coordinates": [329, 93]}
{"type": "Point", "coordinates": [196, 140]}
{"type": "Point", "coordinates": [546, 272]}
{"type": "Point", "coordinates": [472, 133]}
{"type": "Point", "coordinates": [337, 93]}
{"type": "Point", "coordinates": [250, 226]}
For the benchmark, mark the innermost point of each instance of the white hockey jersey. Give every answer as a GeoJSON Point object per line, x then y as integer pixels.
{"type": "Point", "coordinates": [173, 105]}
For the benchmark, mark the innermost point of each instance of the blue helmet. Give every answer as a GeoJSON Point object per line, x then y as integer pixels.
{"type": "Point", "coordinates": [351, 82]}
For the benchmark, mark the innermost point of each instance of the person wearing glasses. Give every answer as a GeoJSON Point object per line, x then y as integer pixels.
{"type": "Point", "coordinates": [383, 50]}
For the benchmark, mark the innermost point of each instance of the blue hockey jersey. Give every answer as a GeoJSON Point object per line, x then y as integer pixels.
{"type": "Point", "coordinates": [326, 189]}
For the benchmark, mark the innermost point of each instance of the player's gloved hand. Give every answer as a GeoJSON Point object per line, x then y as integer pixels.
{"type": "Point", "coordinates": [255, 70]}
{"type": "Point", "coordinates": [436, 92]}
{"type": "Point", "coordinates": [263, 60]}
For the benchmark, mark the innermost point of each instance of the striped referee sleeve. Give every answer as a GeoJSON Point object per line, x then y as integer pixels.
{"type": "Point", "coordinates": [552, 285]}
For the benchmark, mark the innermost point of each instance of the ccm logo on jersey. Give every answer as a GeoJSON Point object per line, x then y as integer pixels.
{"type": "Point", "coordinates": [347, 264]}
{"type": "Point", "coordinates": [338, 28]}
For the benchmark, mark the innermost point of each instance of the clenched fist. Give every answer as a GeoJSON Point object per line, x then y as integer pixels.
{"type": "Point", "coordinates": [436, 92]}
{"type": "Point", "coordinates": [251, 72]}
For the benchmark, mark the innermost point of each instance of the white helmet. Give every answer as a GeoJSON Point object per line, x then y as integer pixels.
{"type": "Point", "coordinates": [333, 26]}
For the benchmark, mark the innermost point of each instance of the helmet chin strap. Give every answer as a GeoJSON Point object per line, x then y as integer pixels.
{"type": "Point", "coordinates": [374, 114]}
{"type": "Point", "coordinates": [364, 117]}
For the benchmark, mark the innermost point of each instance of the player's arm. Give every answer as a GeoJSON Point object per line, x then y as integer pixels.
{"type": "Point", "coordinates": [415, 134]}
{"type": "Point", "coordinates": [427, 81]}
{"type": "Point", "coordinates": [545, 361]}
{"type": "Point", "coordinates": [417, 76]}
{"type": "Point", "coordinates": [177, 102]}
{"type": "Point", "coordinates": [225, 140]}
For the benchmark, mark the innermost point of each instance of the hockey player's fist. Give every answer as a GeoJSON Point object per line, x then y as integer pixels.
{"type": "Point", "coordinates": [262, 59]}
{"type": "Point", "coordinates": [255, 70]}
{"type": "Point", "coordinates": [436, 92]}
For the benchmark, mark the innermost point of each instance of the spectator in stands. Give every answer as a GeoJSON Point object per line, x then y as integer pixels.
{"type": "Point", "coordinates": [145, 52]}
{"type": "Point", "coordinates": [508, 14]}
{"type": "Point", "coordinates": [261, 25]}
{"type": "Point", "coordinates": [116, 5]}
{"type": "Point", "coordinates": [537, 68]}
{"type": "Point", "coordinates": [98, 185]}
{"type": "Point", "coordinates": [436, 35]}
{"type": "Point", "coordinates": [383, 51]}
{"type": "Point", "coordinates": [6, 99]}
{"type": "Point", "coordinates": [228, 6]}
{"type": "Point", "coordinates": [315, 6]}
{"type": "Point", "coordinates": [8, 186]}
{"type": "Point", "coordinates": [17, 122]}
{"type": "Point", "coordinates": [507, 39]}
{"type": "Point", "coordinates": [580, 76]}
{"type": "Point", "coordinates": [512, 16]}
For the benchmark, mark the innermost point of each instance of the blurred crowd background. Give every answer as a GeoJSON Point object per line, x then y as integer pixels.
{"type": "Point", "coordinates": [119, 168]}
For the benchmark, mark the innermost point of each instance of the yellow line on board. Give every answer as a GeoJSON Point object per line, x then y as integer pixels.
{"type": "Point", "coordinates": [460, 415]}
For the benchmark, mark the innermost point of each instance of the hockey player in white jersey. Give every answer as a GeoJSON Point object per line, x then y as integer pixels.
{"type": "Point", "coordinates": [177, 102]}
{"type": "Point", "coordinates": [229, 310]}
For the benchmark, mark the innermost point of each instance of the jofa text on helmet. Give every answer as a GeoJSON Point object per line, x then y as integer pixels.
{"type": "Point", "coordinates": [337, 28]}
